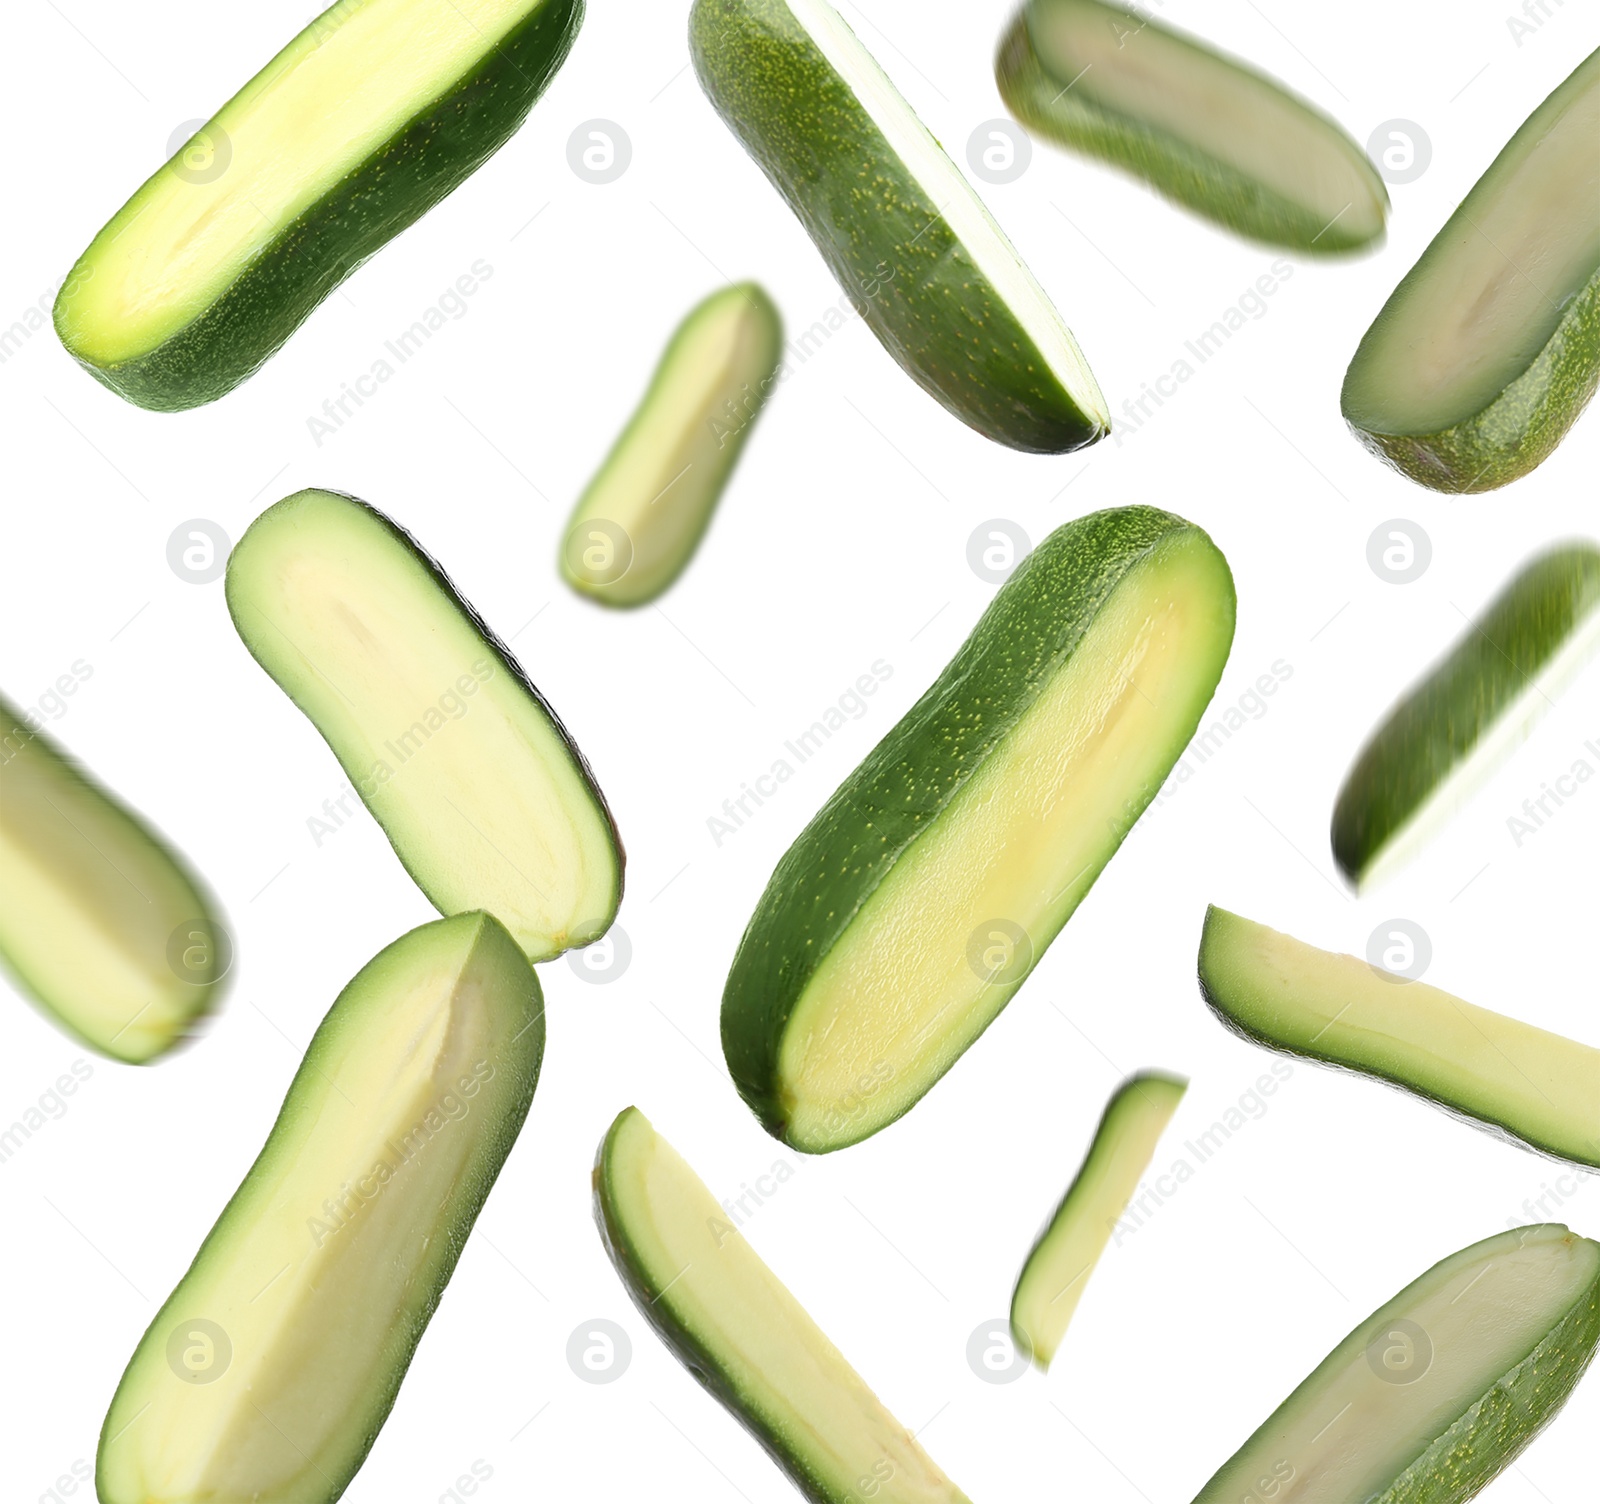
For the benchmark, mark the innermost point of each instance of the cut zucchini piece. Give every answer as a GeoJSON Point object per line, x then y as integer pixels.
{"type": "Point", "coordinates": [913, 246]}
{"type": "Point", "coordinates": [1451, 729]}
{"type": "Point", "coordinates": [1439, 1391]}
{"type": "Point", "coordinates": [369, 117]}
{"type": "Point", "coordinates": [1522, 1082]}
{"type": "Point", "coordinates": [738, 1330]}
{"type": "Point", "coordinates": [1489, 348]}
{"type": "Point", "coordinates": [1205, 130]}
{"type": "Point", "coordinates": [272, 1366]}
{"type": "Point", "coordinates": [103, 923]}
{"type": "Point", "coordinates": [643, 516]}
{"type": "Point", "coordinates": [1053, 1279]}
{"type": "Point", "coordinates": [484, 797]}
{"type": "Point", "coordinates": [915, 903]}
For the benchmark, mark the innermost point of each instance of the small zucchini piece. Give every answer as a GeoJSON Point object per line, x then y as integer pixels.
{"type": "Point", "coordinates": [1522, 1082]}
{"type": "Point", "coordinates": [1439, 1391]}
{"type": "Point", "coordinates": [1058, 1268]}
{"type": "Point", "coordinates": [734, 1325]}
{"type": "Point", "coordinates": [103, 923]}
{"type": "Point", "coordinates": [914, 248]}
{"type": "Point", "coordinates": [375, 112]}
{"type": "Point", "coordinates": [1489, 348]}
{"type": "Point", "coordinates": [1203, 129]}
{"type": "Point", "coordinates": [916, 902]}
{"type": "Point", "coordinates": [1450, 728]}
{"type": "Point", "coordinates": [486, 800]}
{"type": "Point", "coordinates": [273, 1365]}
{"type": "Point", "coordinates": [643, 515]}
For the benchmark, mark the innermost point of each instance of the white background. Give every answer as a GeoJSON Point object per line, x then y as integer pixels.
{"type": "Point", "coordinates": [843, 539]}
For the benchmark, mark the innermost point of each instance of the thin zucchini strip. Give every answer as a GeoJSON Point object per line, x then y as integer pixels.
{"type": "Point", "coordinates": [1058, 1268]}
{"type": "Point", "coordinates": [1540, 1089]}
{"type": "Point", "coordinates": [733, 1324]}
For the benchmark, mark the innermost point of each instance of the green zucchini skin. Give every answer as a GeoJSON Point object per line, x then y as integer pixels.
{"type": "Point", "coordinates": [1486, 1437]}
{"type": "Point", "coordinates": [1178, 170]}
{"type": "Point", "coordinates": [1521, 425]}
{"type": "Point", "coordinates": [426, 160]}
{"type": "Point", "coordinates": [906, 272]}
{"type": "Point", "coordinates": [1032, 626]}
{"type": "Point", "coordinates": [1436, 725]}
{"type": "Point", "coordinates": [1520, 428]}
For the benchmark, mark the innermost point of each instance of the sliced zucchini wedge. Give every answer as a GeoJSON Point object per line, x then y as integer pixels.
{"type": "Point", "coordinates": [271, 1368]}
{"type": "Point", "coordinates": [1205, 130]}
{"type": "Point", "coordinates": [735, 1326]}
{"type": "Point", "coordinates": [485, 798]}
{"type": "Point", "coordinates": [643, 515]}
{"type": "Point", "coordinates": [1489, 348]}
{"type": "Point", "coordinates": [1453, 727]}
{"type": "Point", "coordinates": [369, 117]}
{"type": "Point", "coordinates": [1053, 1279]}
{"type": "Point", "coordinates": [1525, 1083]}
{"type": "Point", "coordinates": [916, 902]}
{"type": "Point", "coordinates": [914, 248]}
{"type": "Point", "coordinates": [103, 923]}
{"type": "Point", "coordinates": [1438, 1391]}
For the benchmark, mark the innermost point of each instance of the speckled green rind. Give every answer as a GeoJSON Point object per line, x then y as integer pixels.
{"type": "Point", "coordinates": [1485, 1439]}
{"type": "Point", "coordinates": [441, 146]}
{"type": "Point", "coordinates": [1521, 425]}
{"type": "Point", "coordinates": [1439, 721]}
{"type": "Point", "coordinates": [911, 279]}
{"type": "Point", "coordinates": [1030, 631]}
{"type": "Point", "coordinates": [362, 1006]}
{"type": "Point", "coordinates": [1490, 1436]}
{"type": "Point", "coordinates": [1520, 429]}
{"type": "Point", "coordinates": [1177, 169]}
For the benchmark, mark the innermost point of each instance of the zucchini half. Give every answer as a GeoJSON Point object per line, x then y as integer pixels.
{"type": "Point", "coordinates": [914, 248]}
{"type": "Point", "coordinates": [269, 1371]}
{"type": "Point", "coordinates": [1205, 130]}
{"type": "Point", "coordinates": [369, 117]}
{"type": "Point", "coordinates": [486, 800]}
{"type": "Point", "coordinates": [1440, 1390]}
{"type": "Point", "coordinates": [1489, 348]}
{"type": "Point", "coordinates": [917, 901]}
